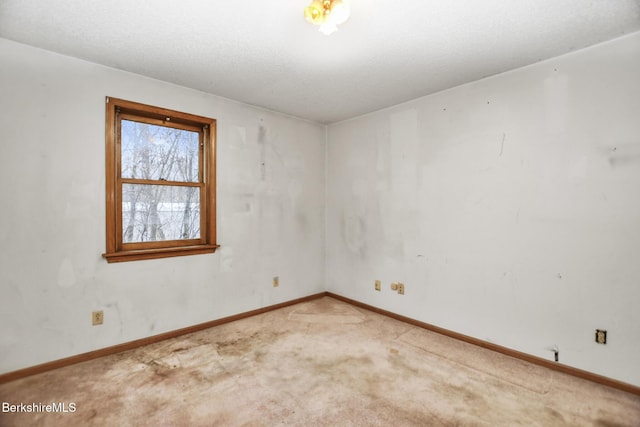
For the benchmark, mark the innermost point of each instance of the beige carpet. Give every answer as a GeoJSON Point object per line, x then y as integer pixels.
{"type": "Point", "coordinates": [320, 363]}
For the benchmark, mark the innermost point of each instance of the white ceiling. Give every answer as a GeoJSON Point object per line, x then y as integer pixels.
{"type": "Point", "coordinates": [262, 52]}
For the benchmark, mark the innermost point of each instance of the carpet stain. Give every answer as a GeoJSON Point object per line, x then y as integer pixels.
{"type": "Point", "coordinates": [607, 423]}
{"type": "Point", "coordinates": [242, 344]}
{"type": "Point", "coordinates": [91, 415]}
{"type": "Point", "coordinates": [402, 364]}
{"type": "Point", "coordinates": [463, 395]}
{"type": "Point", "coordinates": [555, 416]}
{"type": "Point", "coordinates": [398, 415]}
{"type": "Point", "coordinates": [236, 346]}
{"type": "Point", "coordinates": [342, 366]}
{"type": "Point", "coordinates": [271, 370]}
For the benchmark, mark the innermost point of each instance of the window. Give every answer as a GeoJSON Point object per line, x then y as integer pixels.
{"type": "Point", "coordinates": [160, 171]}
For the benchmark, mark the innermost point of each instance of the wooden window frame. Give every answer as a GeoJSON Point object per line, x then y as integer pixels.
{"type": "Point", "coordinates": [116, 250]}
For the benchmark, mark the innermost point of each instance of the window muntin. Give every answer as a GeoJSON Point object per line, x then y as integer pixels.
{"type": "Point", "coordinates": [160, 182]}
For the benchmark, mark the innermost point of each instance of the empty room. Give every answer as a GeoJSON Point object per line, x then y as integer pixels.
{"type": "Point", "coordinates": [320, 213]}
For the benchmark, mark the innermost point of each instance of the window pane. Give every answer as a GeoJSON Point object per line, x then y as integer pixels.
{"type": "Point", "coordinates": [158, 152]}
{"type": "Point", "coordinates": [159, 212]}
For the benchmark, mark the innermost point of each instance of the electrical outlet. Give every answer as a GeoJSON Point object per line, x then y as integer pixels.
{"type": "Point", "coordinates": [97, 318]}
{"type": "Point", "coordinates": [601, 336]}
{"type": "Point", "coordinates": [378, 285]}
{"type": "Point", "coordinates": [401, 288]}
{"type": "Point", "coordinates": [276, 281]}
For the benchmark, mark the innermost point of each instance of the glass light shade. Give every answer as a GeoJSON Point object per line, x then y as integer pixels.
{"type": "Point", "coordinates": [328, 28]}
{"type": "Point", "coordinates": [314, 13]}
{"type": "Point", "coordinates": [339, 12]}
{"type": "Point", "coordinates": [327, 14]}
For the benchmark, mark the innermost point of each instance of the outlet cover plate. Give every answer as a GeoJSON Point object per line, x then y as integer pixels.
{"type": "Point", "coordinates": [97, 317]}
{"type": "Point", "coordinates": [401, 288]}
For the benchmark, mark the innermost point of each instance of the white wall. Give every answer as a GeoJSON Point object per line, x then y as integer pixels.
{"type": "Point", "coordinates": [52, 222]}
{"type": "Point", "coordinates": [509, 207]}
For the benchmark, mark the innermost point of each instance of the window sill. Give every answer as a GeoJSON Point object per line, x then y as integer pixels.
{"type": "Point", "coordinates": [142, 254]}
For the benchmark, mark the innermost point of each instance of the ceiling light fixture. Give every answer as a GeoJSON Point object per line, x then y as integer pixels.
{"type": "Point", "coordinates": [328, 14]}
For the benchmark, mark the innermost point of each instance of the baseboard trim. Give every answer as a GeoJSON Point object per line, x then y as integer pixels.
{"type": "Point", "coordinates": [72, 360]}
{"type": "Point", "coordinates": [600, 379]}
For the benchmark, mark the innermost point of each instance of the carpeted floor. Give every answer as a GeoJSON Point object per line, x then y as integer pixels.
{"type": "Point", "coordinates": [319, 363]}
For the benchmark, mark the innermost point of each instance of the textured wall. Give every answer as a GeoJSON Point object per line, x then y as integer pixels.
{"type": "Point", "coordinates": [52, 227]}
{"type": "Point", "coordinates": [509, 207]}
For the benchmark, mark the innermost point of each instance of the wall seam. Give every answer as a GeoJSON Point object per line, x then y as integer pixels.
{"type": "Point", "coordinates": [326, 207]}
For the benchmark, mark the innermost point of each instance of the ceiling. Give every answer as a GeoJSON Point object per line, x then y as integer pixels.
{"type": "Point", "coordinates": [264, 53]}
